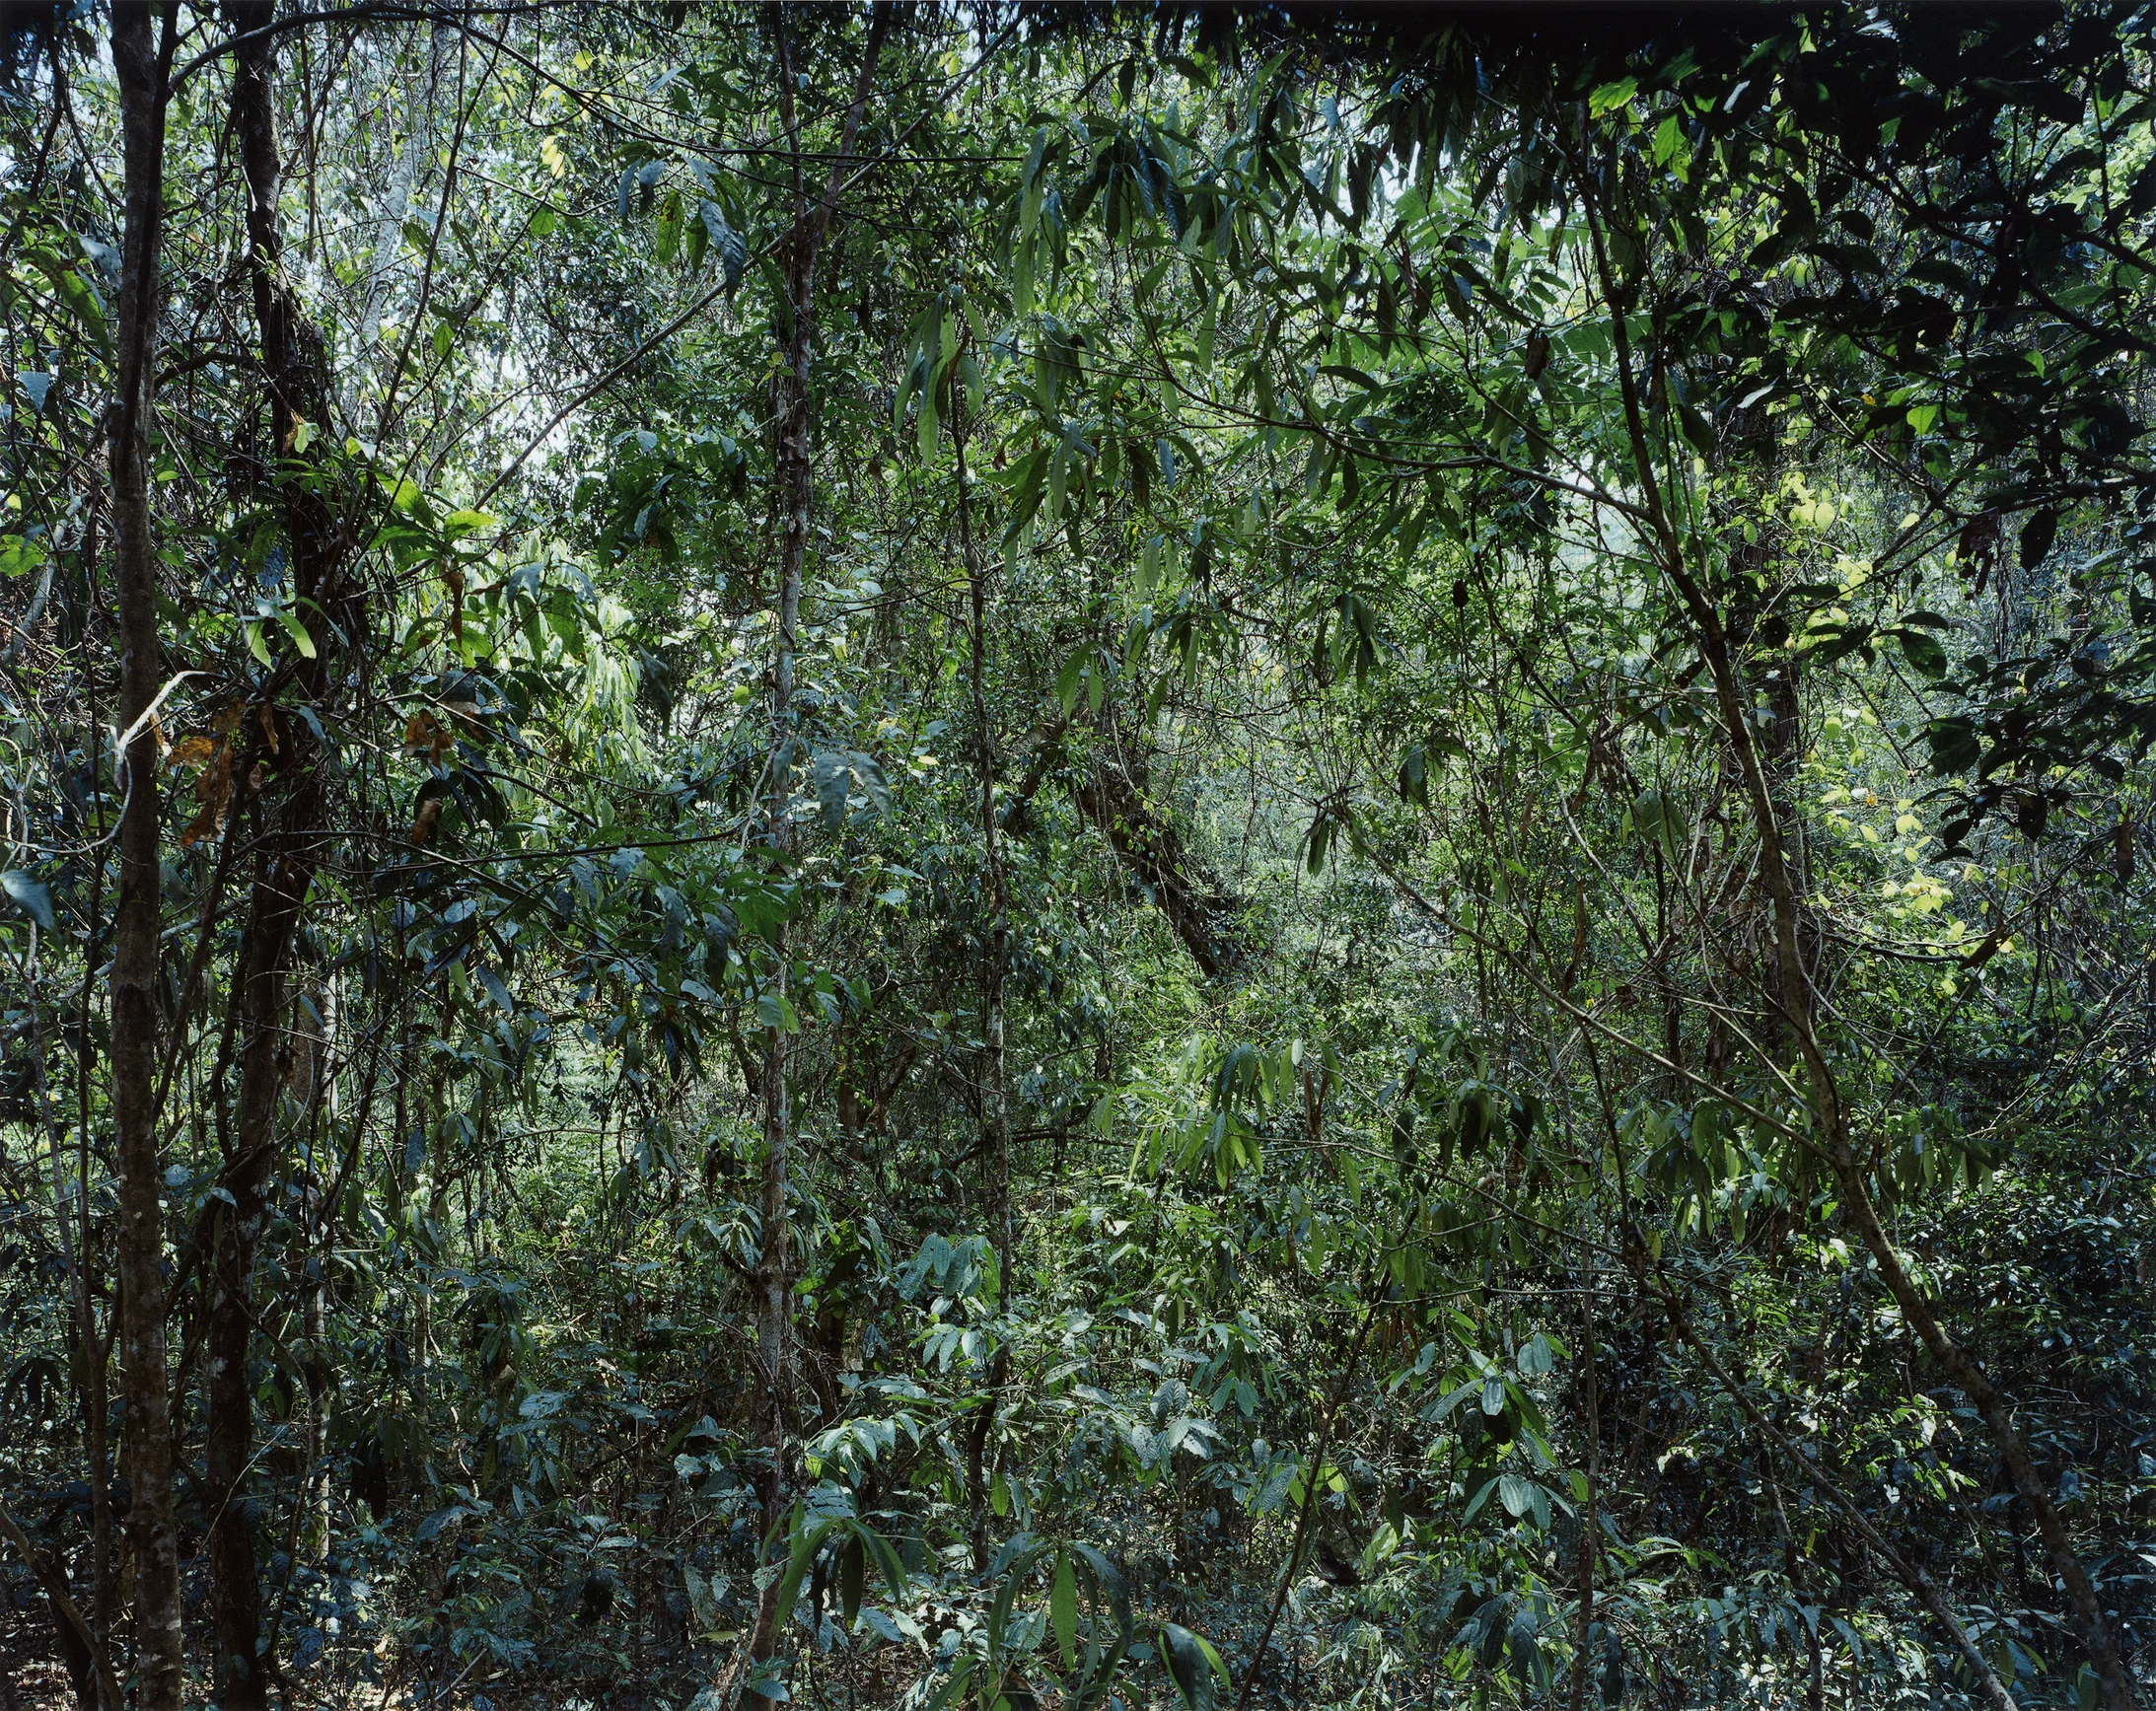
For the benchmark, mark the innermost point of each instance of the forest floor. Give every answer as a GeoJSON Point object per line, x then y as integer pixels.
{"type": "Point", "coordinates": [32, 1678]}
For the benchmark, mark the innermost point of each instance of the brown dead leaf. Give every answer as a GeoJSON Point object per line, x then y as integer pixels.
{"type": "Point", "coordinates": [424, 731]}
{"type": "Point", "coordinates": [212, 793]}
{"type": "Point", "coordinates": [422, 825]}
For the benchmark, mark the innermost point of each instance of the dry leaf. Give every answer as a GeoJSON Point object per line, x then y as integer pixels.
{"type": "Point", "coordinates": [424, 731]}
{"type": "Point", "coordinates": [454, 579]}
{"type": "Point", "coordinates": [212, 793]}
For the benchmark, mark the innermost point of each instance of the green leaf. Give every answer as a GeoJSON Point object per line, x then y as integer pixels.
{"type": "Point", "coordinates": [298, 632]}
{"type": "Point", "coordinates": [839, 773]}
{"type": "Point", "coordinates": [733, 248]}
{"type": "Point", "coordinates": [496, 990]}
{"type": "Point", "coordinates": [31, 895]}
{"type": "Point", "coordinates": [1063, 1609]}
{"type": "Point", "coordinates": [852, 1571]}
{"type": "Point", "coordinates": [1706, 1127]}
{"type": "Point", "coordinates": [1657, 821]}
{"type": "Point", "coordinates": [775, 1013]}
{"type": "Point", "coordinates": [18, 555]}
{"type": "Point", "coordinates": [254, 643]}
{"type": "Point", "coordinates": [1414, 776]}
{"type": "Point", "coordinates": [1322, 833]}
{"type": "Point", "coordinates": [803, 1552]}
{"type": "Point", "coordinates": [1669, 138]}
{"type": "Point", "coordinates": [1068, 679]}
{"type": "Point", "coordinates": [1192, 1665]}
{"type": "Point", "coordinates": [1922, 651]}
{"type": "Point", "coordinates": [1516, 1494]}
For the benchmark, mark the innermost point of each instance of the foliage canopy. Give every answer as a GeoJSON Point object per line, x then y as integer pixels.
{"type": "Point", "coordinates": [1009, 857]}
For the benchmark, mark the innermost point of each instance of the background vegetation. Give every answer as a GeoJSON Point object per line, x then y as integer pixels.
{"type": "Point", "coordinates": [1024, 858]}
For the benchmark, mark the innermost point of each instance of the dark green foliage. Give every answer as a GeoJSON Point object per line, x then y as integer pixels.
{"type": "Point", "coordinates": [1404, 526]}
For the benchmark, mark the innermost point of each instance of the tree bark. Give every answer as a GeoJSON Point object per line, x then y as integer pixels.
{"type": "Point", "coordinates": [284, 873]}
{"type": "Point", "coordinates": [141, 69]}
{"type": "Point", "coordinates": [1591, 1412]}
{"type": "Point", "coordinates": [995, 1102]}
{"type": "Point", "coordinates": [772, 1283]}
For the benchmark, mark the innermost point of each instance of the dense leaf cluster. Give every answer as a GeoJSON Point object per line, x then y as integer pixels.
{"type": "Point", "coordinates": [1047, 857]}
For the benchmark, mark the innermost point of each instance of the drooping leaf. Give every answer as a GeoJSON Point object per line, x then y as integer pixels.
{"type": "Point", "coordinates": [31, 895]}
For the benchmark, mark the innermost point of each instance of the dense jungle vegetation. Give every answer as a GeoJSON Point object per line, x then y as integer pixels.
{"type": "Point", "coordinates": [1025, 857]}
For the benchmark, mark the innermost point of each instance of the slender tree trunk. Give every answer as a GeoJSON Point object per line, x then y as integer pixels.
{"type": "Point", "coordinates": [284, 873]}
{"type": "Point", "coordinates": [390, 222]}
{"type": "Point", "coordinates": [141, 68]}
{"type": "Point", "coordinates": [1591, 1409]}
{"type": "Point", "coordinates": [88, 1665]}
{"type": "Point", "coordinates": [995, 1100]}
{"type": "Point", "coordinates": [1795, 992]}
{"type": "Point", "coordinates": [772, 1280]}
{"type": "Point", "coordinates": [98, 1401]}
{"type": "Point", "coordinates": [314, 1538]}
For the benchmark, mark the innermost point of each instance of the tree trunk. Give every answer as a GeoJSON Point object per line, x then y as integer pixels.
{"type": "Point", "coordinates": [995, 1102]}
{"type": "Point", "coordinates": [141, 69]}
{"type": "Point", "coordinates": [1591, 1420]}
{"type": "Point", "coordinates": [772, 1283]}
{"type": "Point", "coordinates": [284, 873]}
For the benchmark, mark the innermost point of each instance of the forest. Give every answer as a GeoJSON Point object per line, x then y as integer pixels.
{"type": "Point", "coordinates": [982, 856]}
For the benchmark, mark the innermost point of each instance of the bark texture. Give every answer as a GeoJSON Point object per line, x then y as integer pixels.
{"type": "Point", "coordinates": [141, 64]}
{"type": "Point", "coordinates": [284, 873]}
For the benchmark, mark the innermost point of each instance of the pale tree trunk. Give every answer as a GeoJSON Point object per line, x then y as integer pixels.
{"type": "Point", "coordinates": [772, 1279]}
{"type": "Point", "coordinates": [1591, 1420]}
{"type": "Point", "coordinates": [141, 68]}
{"type": "Point", "coordinates": [995, 1099]}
